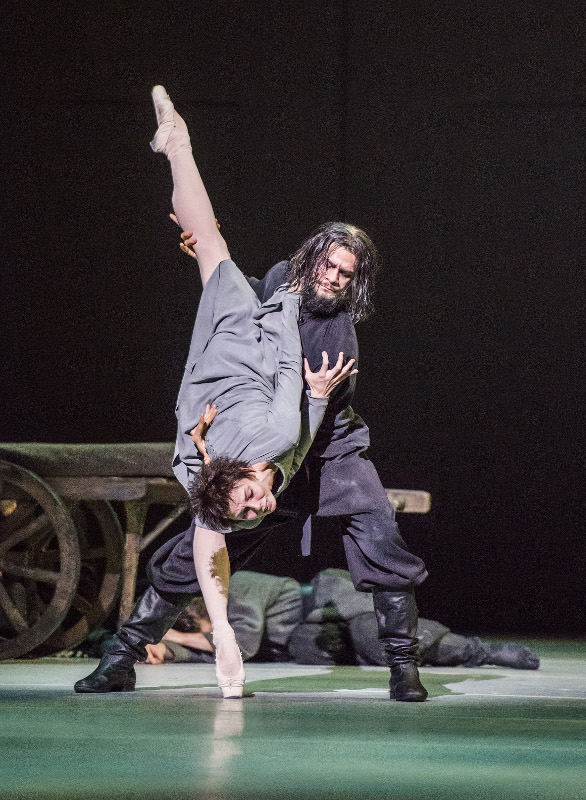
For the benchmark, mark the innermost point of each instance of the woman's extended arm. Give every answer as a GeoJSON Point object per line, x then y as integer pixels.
{"type": "Point", "coordinates": [213, 573]}
{"type": "Point", "coordinates": [190, 199]}
{"type": "Point", "coordinates": [212, 566]}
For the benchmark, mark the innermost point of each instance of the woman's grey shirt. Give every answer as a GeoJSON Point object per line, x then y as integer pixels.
{"type": "Point", "coordinates": [246, 358]}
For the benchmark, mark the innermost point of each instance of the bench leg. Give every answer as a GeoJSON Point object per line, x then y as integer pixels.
{"type": "Point", "coordinates": [135, 519]}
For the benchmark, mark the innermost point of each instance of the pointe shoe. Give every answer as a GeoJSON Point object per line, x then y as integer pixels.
{"type": "Point", "coordinates": [232, 686]}
{"type": "Point", "coordinates": [172, 136]}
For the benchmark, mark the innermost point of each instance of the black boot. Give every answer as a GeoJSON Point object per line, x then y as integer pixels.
{"type": "Point", "coordinates": [149, 622]}
{"type": "Point", "coordinates": [114, 673]}
{"type": "Point", "coordinates": [396, 615]}
{"type": "Point", "coordinates": [500, 654]}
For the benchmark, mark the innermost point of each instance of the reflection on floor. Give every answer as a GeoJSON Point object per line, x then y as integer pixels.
{"type": "Point", "coordinates": [307, 732]}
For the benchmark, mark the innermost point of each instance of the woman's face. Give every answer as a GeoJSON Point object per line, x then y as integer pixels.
{"type": "Point", "coordinates": [251, 499]}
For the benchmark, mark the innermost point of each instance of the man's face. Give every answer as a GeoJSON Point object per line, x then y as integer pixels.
{"type": "Point", "coordinates": [329, 295]}
{"type": "Point", "coordinates": [250, 499]}
{"type": "Point", "coordinates": [338, 273]}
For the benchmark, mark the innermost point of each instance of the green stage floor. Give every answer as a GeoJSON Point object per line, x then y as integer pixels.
{"type": "Point", "coordinates": [307, 732]}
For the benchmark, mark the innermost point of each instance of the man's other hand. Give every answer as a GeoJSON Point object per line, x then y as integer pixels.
{"type": "Point", "coordinates": [323, 382]}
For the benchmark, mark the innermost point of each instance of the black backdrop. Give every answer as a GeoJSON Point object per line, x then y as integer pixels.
{"type": "Point", "coordinates": [453, 132]}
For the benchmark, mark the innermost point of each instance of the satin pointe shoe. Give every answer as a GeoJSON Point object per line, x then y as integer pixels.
{"type": "Point", "coordinates": [172, 136]}
{"type": "Point", "coordinates": [229, 658]}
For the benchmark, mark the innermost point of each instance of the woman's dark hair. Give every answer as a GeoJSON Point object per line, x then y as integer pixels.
{"type": "Point", "coordinates": [209, 494]}
{"type": "Point", "coordinates": [306, 264]}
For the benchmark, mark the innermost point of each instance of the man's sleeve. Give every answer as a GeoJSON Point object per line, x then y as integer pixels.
{"type": "Point", "coordinates": [267, 286]}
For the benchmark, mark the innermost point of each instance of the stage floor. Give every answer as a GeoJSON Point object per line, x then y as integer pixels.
{"type": "Point", "coordinates": [307, 732]}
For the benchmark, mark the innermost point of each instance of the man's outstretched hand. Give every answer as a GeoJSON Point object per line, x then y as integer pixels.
{"type": "Point", "coordinates": [323, 382]}
{"type": "Point", "coordinates": [198, 434]}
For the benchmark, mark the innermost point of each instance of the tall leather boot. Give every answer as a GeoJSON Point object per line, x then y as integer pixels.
{"type": "Point", "coordinates": [396, 615]}
{"type": "Point", "coordinates": [150, 620]}
{"type": "Point", "coordinates": [500, 654]}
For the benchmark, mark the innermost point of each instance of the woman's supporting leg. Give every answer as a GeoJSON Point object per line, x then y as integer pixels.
{"type": "Point", "coordinates": [212, 565]}
{"type": "Point", "coordinates": [191, 203]}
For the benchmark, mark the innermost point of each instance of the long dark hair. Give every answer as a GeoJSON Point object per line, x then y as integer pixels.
{"type": "Point", "coordinates": [306, 264]}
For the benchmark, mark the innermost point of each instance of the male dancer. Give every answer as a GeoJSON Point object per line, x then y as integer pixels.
{"type": "Point", "coordinates": [336, 480]}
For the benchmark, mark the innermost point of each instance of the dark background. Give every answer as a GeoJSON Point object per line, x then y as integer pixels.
{"type": "Point", "coordinates": [452, 132]}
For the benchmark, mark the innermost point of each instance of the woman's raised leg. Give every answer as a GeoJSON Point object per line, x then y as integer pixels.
{"type": "Point", "coordinates": [213, 574]}
{"type": "Point", "coordinates": [191, 203]}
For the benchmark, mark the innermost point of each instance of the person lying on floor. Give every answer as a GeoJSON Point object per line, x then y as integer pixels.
{"type": "Point", "coordinates": [328, 623]}
{"type": "Point", "coordinates": [264, 610]}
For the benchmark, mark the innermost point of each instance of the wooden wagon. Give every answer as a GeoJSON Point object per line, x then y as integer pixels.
{"type": "Point", "coordinates": [66, 553]}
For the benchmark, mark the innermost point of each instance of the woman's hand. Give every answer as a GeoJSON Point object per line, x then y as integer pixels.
{"type": "Point", "coordinates": [198, 434]}
{"type": "Point", "coordinates": [323, 383]}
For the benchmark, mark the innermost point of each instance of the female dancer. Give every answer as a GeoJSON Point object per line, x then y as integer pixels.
{"type": "Point", "coordinates": [246, 360]}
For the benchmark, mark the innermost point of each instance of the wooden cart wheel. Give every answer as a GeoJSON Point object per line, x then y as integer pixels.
{"type": "Point", "coordinates": [101, 544]}
{"type": "Point", "coordinates": [39, 560]}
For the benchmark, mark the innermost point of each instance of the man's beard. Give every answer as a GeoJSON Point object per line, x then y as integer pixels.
{"type": "Point", "coordinates": [321, 306]}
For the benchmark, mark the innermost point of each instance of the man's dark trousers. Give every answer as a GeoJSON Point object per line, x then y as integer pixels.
{"type": "Point", "coordinates": [347, 487]}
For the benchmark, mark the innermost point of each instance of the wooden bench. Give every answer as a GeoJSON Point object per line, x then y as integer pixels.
{"type": "Point", "coordinates": [65, 554]}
